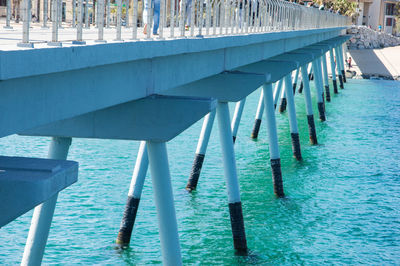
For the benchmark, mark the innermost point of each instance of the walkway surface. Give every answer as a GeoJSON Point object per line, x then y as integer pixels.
{"type": "Point", "coordinates": [376, 62]}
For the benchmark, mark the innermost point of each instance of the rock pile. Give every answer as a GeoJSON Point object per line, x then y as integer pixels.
{"type": "Point", "coordinates": [366, 38]}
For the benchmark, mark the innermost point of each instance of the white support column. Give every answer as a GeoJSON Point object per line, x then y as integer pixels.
{"type": "Point", "coordinates": [134, 194]}
{"type": "Point", "coordinates": [231, 179]}
{"type": "Point", "coordinates": [296, 77]}
{"type": "Point", "coordinates": [237, 115]}
{"type": "Point", "coordinates": [333, 70]}
{"type": "Point", "coordinates": [339, 67]}
{"type": "Point", "coordinates": [318, 86]}
{"type": "Point", "coordinates": [309, 110]}
{"type": "Point", "coordinates": [259, 113]}
{"type": "Point", "coordinates": [260, 108]}
{"type": "Point", "coordinates": [43, 213]}
{"type": "Point", "coordinates": [325, 78]}
{"type": "Point", "coordinates": [45, 11]}
{"type": "Point", "coordinates": [342, 62]}
{"type": "Point", "coordinates": [164, 201]}
{"type": "Point", "coordinates": [273, 141]}
{"type": "Point", "coordinates": [277, 92]}
{"type": "Point", "coordinates": [282, 106]}
{"type": "Point", "coordinates": [294, 130]}
{"type": "Point", "coordinates": [201, 151]}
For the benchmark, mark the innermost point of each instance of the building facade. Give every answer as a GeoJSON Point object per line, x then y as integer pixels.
{"type": "Point", "coordinates": [379, 15]}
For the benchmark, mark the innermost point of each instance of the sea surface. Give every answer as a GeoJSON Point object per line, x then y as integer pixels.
{"type": "Point", "coordinates": [342, 204]}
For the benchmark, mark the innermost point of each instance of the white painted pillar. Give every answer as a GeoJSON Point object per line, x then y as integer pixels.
{"type": "Point", "coordinates": [342, 62]}
{"type": "Point", "coordinates": [282, 106]}
{"type": "Point", "coordinates": [86, 13]}
{"type": "Point", "coordinates": [273, 141]}
{"type": "Point", "coordinates": [231, 179]}
{"type": "Point", "coordinates": [294, 130]}
{"type": "Point", "coordinates": [309, 110]}
{"type": "Point", "coordinates": [201, 151]}
{"type": "Point", "coordinates": [333, 70]}
{"type": "Point", "coordinates": [339, 67]}
{"type": "Point", "coordinates": [325, 78]}
{"type": "Point", "coordinates": [318, 86]}
{"type": "Point", "coordinates": [260, 108]}
{"type": "Point", "coordinates": [296, 77]}
{"type": "Point", "coordinates": [43, 213]}
{"type": "Point", "coordinates": [45, 11]}
{"type": "Point", "coordinates": [277, 92]}
{"type": "Point", "coordinates": [259, 113]}
{"type": "Point", "coordinates": [134, 194]}
{"type": "Point", "coordinates": [237, 115]}
{"type": "Point", "coordinates": [164, 201]}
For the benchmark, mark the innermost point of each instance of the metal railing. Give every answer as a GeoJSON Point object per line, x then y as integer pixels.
{"type": "Point", "coordinates": [188, 18]}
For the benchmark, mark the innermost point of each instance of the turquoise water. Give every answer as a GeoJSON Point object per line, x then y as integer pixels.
{"type": "Point", "coordinates": [342, 204]}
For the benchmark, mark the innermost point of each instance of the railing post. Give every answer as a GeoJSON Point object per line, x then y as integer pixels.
{"type": "Point", "coordinates": [54, 34]}
{"type": "Point", "coordinates": [8, 15]}
{"type": "Point", "coordinates": [26, 11]}
{"type": "Point", "coordinates": [100, 19]}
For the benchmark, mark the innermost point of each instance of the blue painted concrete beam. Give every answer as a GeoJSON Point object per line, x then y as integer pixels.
{"type": "Point", "coordinates": [27, 182]}
{"type": "Point", "coordinates": [154, 118]}
{"type": "Point", "coordinates": [229, 86]}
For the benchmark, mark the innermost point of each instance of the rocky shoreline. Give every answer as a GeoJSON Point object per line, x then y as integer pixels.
{"type": "Point", "coordinates": [353, 75]}
{"type": "Point", "coordinates": [366, 38]}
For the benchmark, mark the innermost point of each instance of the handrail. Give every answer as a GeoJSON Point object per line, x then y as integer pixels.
{"type": "Point", "coordinates": [204, 18]}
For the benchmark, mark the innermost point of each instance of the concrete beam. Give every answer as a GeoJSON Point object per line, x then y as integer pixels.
{"type": "Point", "coordinates": [229, 86]}
{"type": "Point", "coordinates": [276, 68]}
{"type": "Point", "coordinates": [155, 118]}
{"type": "Point", "coordinates": [27, 182]}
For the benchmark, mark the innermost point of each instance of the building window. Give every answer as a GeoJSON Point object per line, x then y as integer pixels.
{"type": "Point", "coordinates": [3, 2]}
{"type": "Point", "coordinates": [389, 22]}
{"type": "Point", "coordinates": [389, 9]}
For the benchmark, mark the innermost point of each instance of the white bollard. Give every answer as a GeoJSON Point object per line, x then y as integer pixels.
{"type": "Point", "coordinates": [164, 201]}
{"type": "Point", "coordinates": [43, 213]}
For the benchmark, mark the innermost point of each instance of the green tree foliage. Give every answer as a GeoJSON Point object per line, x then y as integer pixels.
{"type": "Point", "coordinates": [345, 7]}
